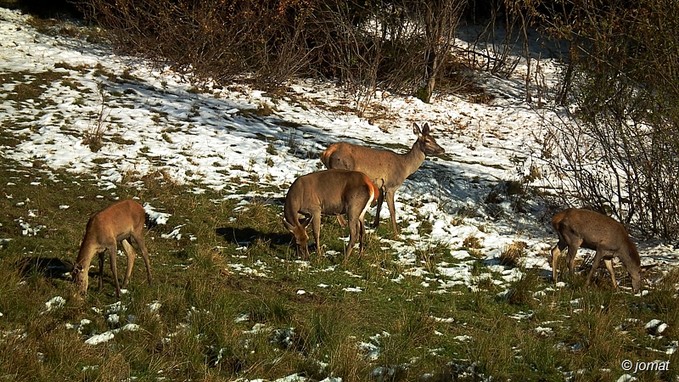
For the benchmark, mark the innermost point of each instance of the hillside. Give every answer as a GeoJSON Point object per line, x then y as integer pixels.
{"type": "Point", "coordinates": [464, 292]}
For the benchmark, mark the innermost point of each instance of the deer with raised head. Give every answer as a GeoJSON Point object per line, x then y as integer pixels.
{"type": "Point", "coordinates": [588, 229]}
{"type": "Point", "coordinates": [387, 169]}
{"type": "Point", "coordinates": [118, 222]}
{"type": "Point", "coordinates": [329, 192]}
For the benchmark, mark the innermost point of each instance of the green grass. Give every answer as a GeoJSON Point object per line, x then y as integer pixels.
{"type": "Point", "coordinates": [220, 321]}
{"type": "Point", "coordinates": [231, 300]}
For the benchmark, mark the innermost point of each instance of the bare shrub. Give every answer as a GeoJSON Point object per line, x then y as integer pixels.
{"type": "Point", "coordinates": [493, 48]}
{"type": "Point", "coordinates": [94, 137]}
{"type": "Point", "coordinates": [399, 45]}
{"type": "Point", "coordinates": [211, 39]}
{"type": "Point", "coordinates": [618, 151]}
{"type": "Point", "coordinates": [439, 20]}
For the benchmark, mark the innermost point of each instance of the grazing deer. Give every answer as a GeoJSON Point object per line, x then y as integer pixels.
{"type": "Point", "coordinates": [386, 168]}
{"type": "Point", "coordinates": [116, 223]}
{"type": "Point", "coordinates": [588, 229]}
{"type": "Point", "coordinates": [329, 192]}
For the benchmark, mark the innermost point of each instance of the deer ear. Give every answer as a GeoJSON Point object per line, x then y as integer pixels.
{"type": "Point", "coordinates": [425, 128]}
{"type": "Point", "coordinates": [416, 130]}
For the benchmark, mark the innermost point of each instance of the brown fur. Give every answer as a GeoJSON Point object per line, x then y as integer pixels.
{"type": "Point", "coordinates": [325, 156]}
{"type": "Point", "coordinates": [330, 192]}
{"type": "Point", "coordinates": [588, 229]}
{"type": "Point", "coordinates": [387, 169]}
{"type": "Point", "coordinates": [117, 223]}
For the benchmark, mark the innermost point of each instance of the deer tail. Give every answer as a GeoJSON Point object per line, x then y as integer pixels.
{"type": "Point", "coordinates": [374, 190]}
{"type": "Point", "coordinates": [372, 197]}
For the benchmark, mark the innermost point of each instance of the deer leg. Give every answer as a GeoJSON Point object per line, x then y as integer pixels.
{"type": "Point", "coordinates": [316, 226]}
{"type": "Point", "coordinates": [113, 253]}
{"type": "Point", "coordinates": [361, 237]}
{"type": "Point", "coordinates": [139, 241]}
{"type": "Point", "coordinates": [354, 226]}
{"type": "Point", "coordinates": [572, 251]}
{"type": "Point", "coordinates": [341, 221]}
{"type": "Point", "coordinates": [131, 254]}
{"type": "Point", "coordinates": [609, 266]}
{"type": "Point", "coordinates": [380, 200]}
{"type": "Point", "coordinates": [101, 270]}
{"type": "Point", "coordinates": [556, 252]}
{"type": "Point", "coordinates": [595, 265]}
{"type": "Point", "coordinates": [300, 249]}
{"type": "Point", "coordinates": [392, 209]}
{"type": "Point", "coordinates": [303, 246]}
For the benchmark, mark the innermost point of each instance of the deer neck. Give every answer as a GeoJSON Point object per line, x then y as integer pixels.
{"type": "Point", "coordinates": [86, 254]}
{"type": "Point", "coordinates": [413, 159]}
{"type": "Point", "coordinates": [632, 253]}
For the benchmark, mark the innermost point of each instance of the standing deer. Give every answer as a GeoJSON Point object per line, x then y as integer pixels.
{"type": "Point", "coordinates": [588, 229]}
{"type": "Point", "coordinates": [386, 168]}
{"type": "Point", "coordinates": [116, 223]}
{"type": "Point", "coordinates": [329, 192]}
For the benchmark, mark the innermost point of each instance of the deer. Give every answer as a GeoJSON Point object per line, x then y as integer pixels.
{"type": "Point", "coordinates": [387, 169]}
{"type": "Point", "coordinates": [118, 222]}
{"type": "Point", "coordinates": [589, 229]}
{"type": "Point", "coordinates": [328, 192]}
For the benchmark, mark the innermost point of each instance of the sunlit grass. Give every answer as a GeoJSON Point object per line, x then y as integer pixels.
{"type": "Point", "coordinates": [230, 300]}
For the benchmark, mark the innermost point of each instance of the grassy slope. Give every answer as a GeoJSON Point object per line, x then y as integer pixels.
{"type": "Point", "coordinates": [240, 265]}
{"type": "Point", "coordinates": [195, 334]}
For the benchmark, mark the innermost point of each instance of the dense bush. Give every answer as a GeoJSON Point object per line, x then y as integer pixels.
{"type": "Point", "coordinates": [400, 45]}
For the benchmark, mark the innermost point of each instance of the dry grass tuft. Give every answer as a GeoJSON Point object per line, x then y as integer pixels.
{"type": "Point", "coordinates": [512, 255]}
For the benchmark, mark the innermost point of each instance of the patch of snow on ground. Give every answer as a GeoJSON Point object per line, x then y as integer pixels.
{"type": "Point", "coordinates": [55, 303]}
{"type": "Point", "coordinates": [163, 128]}
{"type": "Point", "coordinates": [159, 126]}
